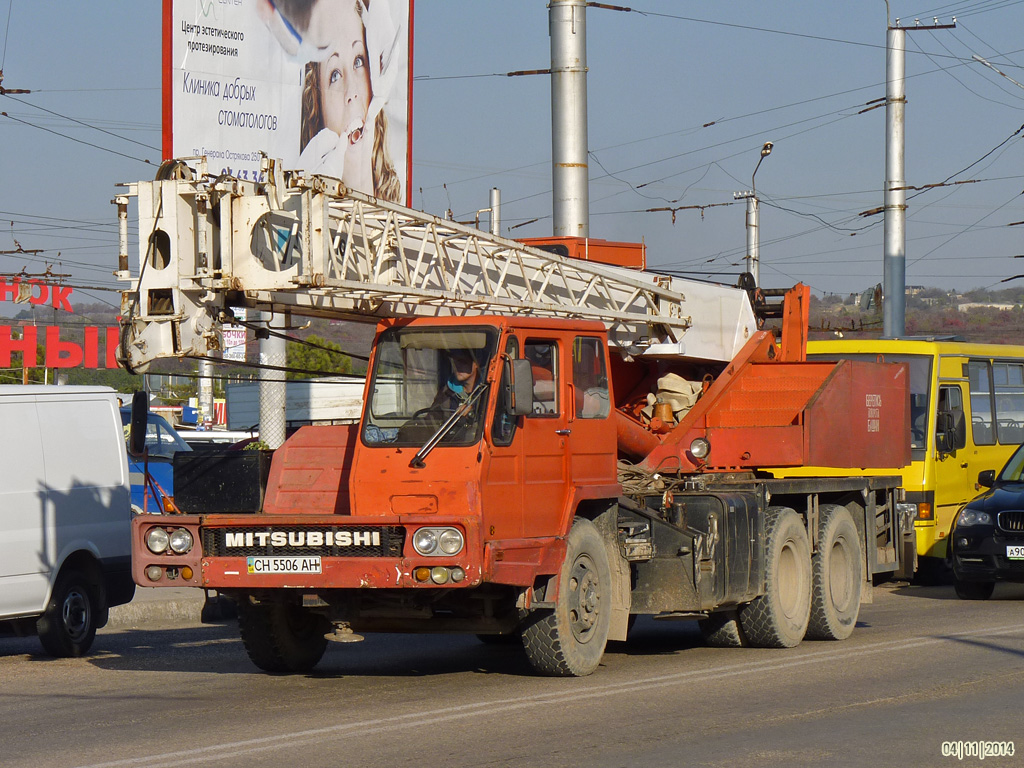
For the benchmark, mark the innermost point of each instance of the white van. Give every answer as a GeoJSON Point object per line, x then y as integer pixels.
{"type": "Point", "coordinates": [65, 514]}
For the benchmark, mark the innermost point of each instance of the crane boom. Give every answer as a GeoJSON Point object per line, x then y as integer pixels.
{"type": "Point", "coordinates": [307, 245]}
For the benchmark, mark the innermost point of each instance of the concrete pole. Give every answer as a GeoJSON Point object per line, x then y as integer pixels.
{"type": "Point", "coordinates": [205, 398]}
{"type": "Point", "coordinates": [894, 321]}
{"type": "Point", "coordinates": [753, 239]}
{"type": "Point", "coordinates": [273, 351]}
{"type": "Point", "coordinates": [571, 198]}
{"type": "Point", "coordinates": [495, 211]}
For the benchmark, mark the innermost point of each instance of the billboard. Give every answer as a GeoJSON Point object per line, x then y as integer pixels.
{"type": "Point", "coordinates": [323, 85]}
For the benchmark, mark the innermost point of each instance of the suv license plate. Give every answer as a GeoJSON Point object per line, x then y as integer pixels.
{"type": "Point", "coordinates": [286, 564]}
{"type": "Point", "coordinates": [1015, 551]}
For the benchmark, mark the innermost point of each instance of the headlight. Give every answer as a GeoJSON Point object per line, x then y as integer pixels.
{"type": "Point", "coordinates": [425, 541]}
{"type": "Point", "coordinates": [157, 540]}
{"type": "Point", "coordinates": [450, 541]}
{"type": "Point", "coordinates": [700, 448]}
{"type": "Point", "coordinates": [974, 517]}
{"type": "Point", "coordinates": [438, 542]}
{"type": "Point", "coordinates": [180, 541]}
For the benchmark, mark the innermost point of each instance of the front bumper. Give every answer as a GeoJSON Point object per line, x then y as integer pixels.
{"type": "Point", "coordinates": [983, 556]}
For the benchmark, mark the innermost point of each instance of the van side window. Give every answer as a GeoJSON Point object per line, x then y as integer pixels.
{"type": "Point", "coordinates": [543, 357]}
{"type": "Point", "coordinates": [503, 428]}
{"type": "Point", "coordinates": [981, 402]}
{"type": "Point", "coordinates": [589, 379]}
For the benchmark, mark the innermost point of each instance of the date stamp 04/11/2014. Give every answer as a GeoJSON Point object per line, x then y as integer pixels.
{"type": "Point", "coordinates": [977, 750]}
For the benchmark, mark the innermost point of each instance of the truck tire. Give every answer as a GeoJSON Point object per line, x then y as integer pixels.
{"type": "Point", "coordinates": [722, 630]}
{"type": "Point", "coordinates": [280, 637]}
{"type": "Point", "coordinates": [570, 640]}
{"type": "Point", "coordinates": [837, 576]}
{"type": "Point", "coordinates": [68, 625]}
{"type": "Point", "coordinates": [974, 590]}
{"type": "Point", "coordinates": [778, 619]}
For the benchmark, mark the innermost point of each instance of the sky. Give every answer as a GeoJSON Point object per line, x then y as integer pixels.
{"type": "Point", "coordinates": [681, 97]}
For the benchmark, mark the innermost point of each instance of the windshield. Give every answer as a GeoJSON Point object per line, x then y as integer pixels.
{"type": "Point", "coordinates": [161, 439]}
{"type": "Point", "coordinates": [1014, 467]}
{"type": "Point", "coordinates": [420, 378]}
{"type": "Point", "coordinates": [920, 377]}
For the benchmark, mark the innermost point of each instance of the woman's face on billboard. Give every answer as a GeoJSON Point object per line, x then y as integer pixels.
{"type": "Point", "coordinates": [345, 74]}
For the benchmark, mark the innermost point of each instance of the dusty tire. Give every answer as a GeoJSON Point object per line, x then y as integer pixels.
{"type": "Point", "coordinates": [836, 576]}
{"type": "Point", "coordinates": [68, 625]}
{"type": "Point", "coordinates": [280, 637]}
{"type": "Point", "coordinates": [974, 590]}
{"type": "Point", "coordinates": [778, 619]}
{"type": "Point", "coordinates": [570, 640]}
{"type": "Point", "coordinates": [722, 630]}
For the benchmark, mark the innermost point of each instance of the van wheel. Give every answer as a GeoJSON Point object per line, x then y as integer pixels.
{"type": "Point", "coordinates": [68, 625]}
{"type": "Point", "coordinates": [280, 637]}
{"type": "Point", "coordinates": [722, 630]}
{"type": "Point", "coordinates": [570, 640]}
{"type": "Point", "coordinates": [974, 590]}
{"type": "Point", "coordinates": [778, 619]}
{"type": "Point", "coordinates": [837, 571]}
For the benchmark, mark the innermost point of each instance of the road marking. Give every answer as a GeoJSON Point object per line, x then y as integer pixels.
{"type": "Point", "coordinates": [227, 750]}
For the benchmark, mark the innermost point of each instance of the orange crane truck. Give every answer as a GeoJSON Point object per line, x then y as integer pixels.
{"type": "Point", "coordinates": [548, 447]}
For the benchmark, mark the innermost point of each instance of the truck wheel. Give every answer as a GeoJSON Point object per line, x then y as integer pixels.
{"type": "Point", "coordinates": [778, 619]}
{"type": "Point", "coordinates": [280, 637]}
{"type": "Point", "coordinates": [68, 625]}
{"type": "Point", "coordinates": [569, 641]}
{"type": "Point", "coordinates": [974, 590]}
{"type": "Point", "coordinates": [836, 573]}
{"type": "Point", "coordinates": [722, 630]}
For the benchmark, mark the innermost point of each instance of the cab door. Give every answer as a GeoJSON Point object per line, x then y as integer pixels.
{"type": "Point", "coordinates": [952, 483]}
{"type": "Point", "coordinates": [545, 436]}
{"type": "Point", "coordinates": [592, 441]}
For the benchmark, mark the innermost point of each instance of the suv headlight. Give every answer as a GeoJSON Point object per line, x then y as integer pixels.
{"type": "Point", "coordinates": [969, 517]}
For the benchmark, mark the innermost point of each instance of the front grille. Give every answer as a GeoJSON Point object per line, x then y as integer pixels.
{"type": "Point", "coordinates": [329, 540]}
{"type": "Point", "coordinates": [1011, 521]}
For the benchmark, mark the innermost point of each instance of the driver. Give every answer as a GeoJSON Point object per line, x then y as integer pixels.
{"type": "Point", "coordinates": [463, 379]}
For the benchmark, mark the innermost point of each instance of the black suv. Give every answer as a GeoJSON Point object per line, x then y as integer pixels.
{"type": "Point", "coordinates": [987, 540]}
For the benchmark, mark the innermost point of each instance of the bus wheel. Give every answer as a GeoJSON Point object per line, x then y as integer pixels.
{"type": "Point", "coordinates": [569, 641]}
{"type": "Point", "coordinates": [778, 619]}
{"type": "Point", "coordinates": [280, 637]}
{"type": "Point", "coordinates": [837, 575]}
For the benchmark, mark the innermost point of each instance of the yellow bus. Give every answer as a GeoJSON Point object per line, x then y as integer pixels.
{"type": "Point", "coordinates": [967, 415]}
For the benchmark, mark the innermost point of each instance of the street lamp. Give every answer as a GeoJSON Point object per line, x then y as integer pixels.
{"type": "Point", "coordinates": [753, 264]}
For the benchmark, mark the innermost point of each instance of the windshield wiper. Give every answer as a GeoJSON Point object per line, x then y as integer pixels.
{"type": "Point", "coordinates": [444, 429]}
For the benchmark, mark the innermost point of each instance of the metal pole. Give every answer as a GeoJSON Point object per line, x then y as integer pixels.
{"type": "Point", "coordinates": [753, 239]}
{"type": "Point", "coordinates": [205, 398]}
{"type": "Point", "coordinates": [495, 211]}
{"type": "Point", "coordinates": [273, 351]}
{"type": "Point", "coordinates": [571, 203]}
{"type": "Point", "coordinates": [895, 250]}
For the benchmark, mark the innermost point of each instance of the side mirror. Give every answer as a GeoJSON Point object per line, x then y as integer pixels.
{"type": "Point", "coordinates": [519, 390]}
{"type": "Point", "coordinates": [950, 432]}
{"type": "Point", "coordinates": [987, 478]}
{"type": "Point", "coordinates": [140, 418]}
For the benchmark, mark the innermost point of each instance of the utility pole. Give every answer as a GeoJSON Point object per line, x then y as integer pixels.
{"type": "Point", "coordinates": [753, 260]}
{"type": "Point", "coordinates": [571, 199]}
{"type": "Point", "coordinates": [894, 272]}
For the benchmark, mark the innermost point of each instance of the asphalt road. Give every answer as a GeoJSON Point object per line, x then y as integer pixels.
{"type": "Point", "coordinates": [922, 670]}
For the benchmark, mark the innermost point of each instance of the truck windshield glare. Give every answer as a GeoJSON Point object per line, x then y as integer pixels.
{"type": "Point", "coordinates": [420, 379]}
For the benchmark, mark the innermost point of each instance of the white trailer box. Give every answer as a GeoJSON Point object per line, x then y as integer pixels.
{"type": "Point", "coordinates": [65, 514]}
{"type": "Point", "coordinates": [329, 400]}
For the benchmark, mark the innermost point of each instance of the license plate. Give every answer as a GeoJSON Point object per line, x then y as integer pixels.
{"type": "Point", "coordinates": [283, 564]}
{"type": "Point", "coordinates": [1015, 551]}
